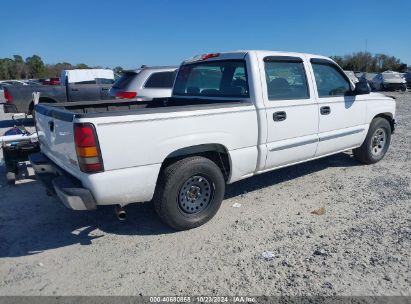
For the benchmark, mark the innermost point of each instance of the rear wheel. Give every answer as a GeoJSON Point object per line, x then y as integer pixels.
{"type": "Point", "coordinates": [189, 192]}
{"type": "Point", "coordinates": [381, 87]}
{"type": "Point", "coordinates": [376, 143]}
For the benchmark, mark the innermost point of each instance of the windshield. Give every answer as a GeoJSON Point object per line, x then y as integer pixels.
{"type": "Point", "coordinates": [225, 78]}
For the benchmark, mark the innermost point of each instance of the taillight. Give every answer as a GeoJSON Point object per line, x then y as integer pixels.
{"type": "Point", "coordinates": [126, 95]}
{"type": "Point", "coordinates": [87, 148]}
{"type": "Point", "coordinates": [7, 96]}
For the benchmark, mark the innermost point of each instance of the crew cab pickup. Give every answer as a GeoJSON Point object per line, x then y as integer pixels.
{"type": "Point", "coordinates": [231, 116]}
{"type": "Point", "coordinates": [75, 85]}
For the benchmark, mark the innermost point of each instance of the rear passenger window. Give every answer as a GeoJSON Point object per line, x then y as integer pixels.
{"type": "Point", "coordinates": [330, 81]}
{"type": "Point", "coordinates": [162, 80]}
{"type": "Point", "coordinates": [285, 78]}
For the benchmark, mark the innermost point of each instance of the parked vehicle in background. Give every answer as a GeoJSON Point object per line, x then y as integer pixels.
{"type": "Point", "coordinates": [2, 97]}
{"type": "Point", "coordinates": [358, 74]}
{"type": "Point", "coordinates": [31, 82]}
{"type": "Point", "coordinates": [352, 76]}
{"type": "Point", "coordinates": [14, 82]}
{"type": "Point", "coordinates": [76, 85]}
{"type": "Point", "coordinates": [52, 81]}
{"type": "Point", "coordinates": [145, 82]}
{"type": "Point", "coordinates": [368, 77]}
{"type": "Point", "coordinates": [407, 77]}
{"type": "Point", "coordinates": [389, 81]}
{"type": "Point", "coordinates": [231, 116]}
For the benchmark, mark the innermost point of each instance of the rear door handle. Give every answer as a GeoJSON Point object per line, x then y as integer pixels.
{"type": "Point", "coordinates": [279, 116]}
{"type": "Point", "coordinates": [325, 110]}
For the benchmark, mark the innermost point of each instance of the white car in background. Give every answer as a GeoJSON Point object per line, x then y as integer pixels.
{"type": "Point", "coordinates": [352, 76]}
{"type": "Point", "coordinates": [389, 80]}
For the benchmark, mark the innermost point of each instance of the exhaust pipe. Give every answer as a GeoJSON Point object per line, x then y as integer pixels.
{"type": "Point", "coordinates": [120, 212]}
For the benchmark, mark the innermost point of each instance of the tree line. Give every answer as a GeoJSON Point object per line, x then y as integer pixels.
{"type": "Point", "coordinates": [33, 67]}
{"type": "Point", "coordinates": [366, 62]}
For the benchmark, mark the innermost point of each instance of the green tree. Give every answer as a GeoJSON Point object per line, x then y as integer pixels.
{"type": "Point", "coordinates": [35, 66]}
{"type": "Point", "coordinates": [82, 66]}
{"type": "Point", "coordinates": [118, 70]}
{"type": "Point", "coordinates": [7, 70]}
{"type": "Point", "coordinates": [20, 68]}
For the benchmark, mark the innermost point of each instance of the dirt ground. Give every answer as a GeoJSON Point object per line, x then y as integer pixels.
{"type": "Point", "coordinates": [360, 246]}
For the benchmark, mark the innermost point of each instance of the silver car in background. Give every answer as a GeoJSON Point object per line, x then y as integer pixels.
{"type": "Point", "coordinates": [352, 76]}
{"type": "Point", "coordinates": [389, 81]}
{"type": "Point", "coordinates": [145, 82]}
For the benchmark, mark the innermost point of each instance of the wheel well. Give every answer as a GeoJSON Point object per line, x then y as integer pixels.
{"type": "Point", "coordinates": [214, 152]}
{"type": "Point", "coordinates": [388, 117]}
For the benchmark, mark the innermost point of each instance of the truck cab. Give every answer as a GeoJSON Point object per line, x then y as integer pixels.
{"type": "Point", "coordinates": [231, 116]}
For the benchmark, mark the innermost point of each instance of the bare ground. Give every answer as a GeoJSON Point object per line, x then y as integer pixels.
{"type": "Point", "coordinates": [360, 246]}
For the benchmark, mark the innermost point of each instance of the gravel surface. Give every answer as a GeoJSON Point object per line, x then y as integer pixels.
{"type": "Point", "coordinates": [269, 243]}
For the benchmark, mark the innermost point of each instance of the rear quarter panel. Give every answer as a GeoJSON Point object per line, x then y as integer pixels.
{"type": "Point", "coordinates": [146, 139]}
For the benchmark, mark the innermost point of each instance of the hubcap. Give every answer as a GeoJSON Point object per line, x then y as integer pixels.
{"type": "Point", "coordinates": [195, 194]}
{"type": "Point", "coordinates": [378, 141]}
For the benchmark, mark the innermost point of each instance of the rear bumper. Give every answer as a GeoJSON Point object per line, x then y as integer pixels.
{"type": "Point", "coordinates": [62, 185]}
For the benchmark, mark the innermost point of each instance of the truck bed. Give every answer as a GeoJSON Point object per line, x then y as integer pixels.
{"type": "Point", "coordinates": [68, 111]}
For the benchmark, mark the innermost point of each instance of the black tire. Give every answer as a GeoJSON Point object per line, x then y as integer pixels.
{"type": "Point", "coordinates": [170, 188]}
{"type": "Point", "coordinates": [381, 87]}
{"type": "Point", "coordinates": [370, 151]}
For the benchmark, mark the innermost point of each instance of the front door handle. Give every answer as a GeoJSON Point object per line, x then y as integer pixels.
{"type": "Point", "coordinates": [75, 90]}
{"type": "Point", "coordinates": [325, 110]}
{"type": "Point", "coordinates": [279, 116]}
{"type": "Point", "coordinates": [105, 89]}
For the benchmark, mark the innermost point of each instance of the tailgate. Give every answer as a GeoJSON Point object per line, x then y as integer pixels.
{"type": "Point", "coordinates": [55, 132]}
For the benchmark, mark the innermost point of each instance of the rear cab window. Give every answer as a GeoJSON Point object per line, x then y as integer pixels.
{"type": "Point", "coordinates": [286, 78]}
{"type": "Point", "coordinates": [221, 78]}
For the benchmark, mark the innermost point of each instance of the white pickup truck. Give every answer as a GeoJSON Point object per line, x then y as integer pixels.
{"type": "Point", "coordinates": [232, 115]}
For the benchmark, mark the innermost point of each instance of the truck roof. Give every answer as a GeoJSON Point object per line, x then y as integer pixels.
{"type": "Point", "coordinates": [166, 68]}
{"type": "Point", "coordinates": [240, 54]}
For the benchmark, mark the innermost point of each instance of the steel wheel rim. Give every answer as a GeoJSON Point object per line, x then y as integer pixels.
{"type": "Point", "coordinates": [195, 194]}
{"type": "Point", "coordinates": [378, 141]}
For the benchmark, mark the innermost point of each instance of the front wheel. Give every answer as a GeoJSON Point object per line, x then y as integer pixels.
{"type": "Point", "coordinates": [189, 192]}
{"type": "Point", "coordinates": [376, 143]}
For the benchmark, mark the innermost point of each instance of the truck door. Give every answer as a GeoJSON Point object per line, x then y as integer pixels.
{"type": "Point", "coordinates": [84, 91]}
{"type": "Point", "coordinates": [105, 86]}
{"type": "Point", "coordinates": [342, 115]}
{"type": "Point", "coordinates": [291, 109]}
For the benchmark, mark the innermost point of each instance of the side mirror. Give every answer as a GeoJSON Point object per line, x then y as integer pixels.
{"type": "Point", "coordinates": [362, 88]}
